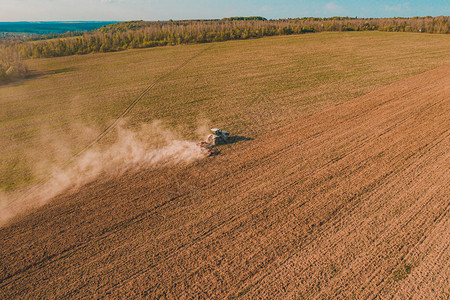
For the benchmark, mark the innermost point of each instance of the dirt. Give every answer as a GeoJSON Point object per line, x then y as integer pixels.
{"type": "Point", "coordinates": [350, 202]}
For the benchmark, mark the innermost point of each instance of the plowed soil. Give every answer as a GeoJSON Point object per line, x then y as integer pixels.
{"type": "Point", "coordinates": [350, 202]}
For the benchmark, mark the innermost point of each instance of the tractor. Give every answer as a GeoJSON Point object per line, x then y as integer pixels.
{"type": "Point", "coordinates": [218, 137]}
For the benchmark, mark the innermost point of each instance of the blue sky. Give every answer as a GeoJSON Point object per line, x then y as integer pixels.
{"type": "Point", "coordinates": [121, 10]}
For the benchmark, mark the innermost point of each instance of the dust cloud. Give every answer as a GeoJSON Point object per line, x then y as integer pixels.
{"type": "Point", "coordinates": [149, 147]}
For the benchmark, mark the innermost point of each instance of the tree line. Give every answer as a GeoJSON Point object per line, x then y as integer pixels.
{"type": "Point", "coordinates": [141, 34]}
{"type": "Point", "coordinates": [11, 65]}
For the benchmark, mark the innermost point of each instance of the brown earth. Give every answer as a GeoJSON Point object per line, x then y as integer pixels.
{"type": "Point", "coordinates": [350, 202]}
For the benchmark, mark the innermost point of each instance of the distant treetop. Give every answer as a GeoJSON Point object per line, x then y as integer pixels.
{"type": "Point", "coordinates": [245, 19]}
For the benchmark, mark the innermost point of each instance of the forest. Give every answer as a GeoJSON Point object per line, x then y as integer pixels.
{"type": "Point", "coordinates": [142, 34]}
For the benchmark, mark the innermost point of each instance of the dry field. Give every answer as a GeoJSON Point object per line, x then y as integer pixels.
{"type": "Point", "coordinates": [350, 201]}
{"type": "Point", "coordinates": [247, 87]}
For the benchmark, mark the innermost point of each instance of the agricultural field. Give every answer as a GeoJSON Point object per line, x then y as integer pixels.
{"type": "Point", "coordinates": [337, 189]}
{"type": "Point", "coordinates": [247, 87]}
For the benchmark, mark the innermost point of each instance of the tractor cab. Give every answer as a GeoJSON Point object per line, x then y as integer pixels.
{"type": "Point", "coordinates": [216, 131]}
{"type": "Point", "coordinates": [219, 133]}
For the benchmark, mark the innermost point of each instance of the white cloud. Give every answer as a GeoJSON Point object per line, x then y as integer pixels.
{"type": "Point", "coordinates": [265, 8]}
{"type": "Point", "coordinates": [399, 8]}
{"type": "Point", "coordinates": [333, 8]}
{"type": "Point", "coordinates": [111, 1]}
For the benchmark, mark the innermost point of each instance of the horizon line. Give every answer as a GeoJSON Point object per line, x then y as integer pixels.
{"type": "Point", "coordinates": [214, 19]}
